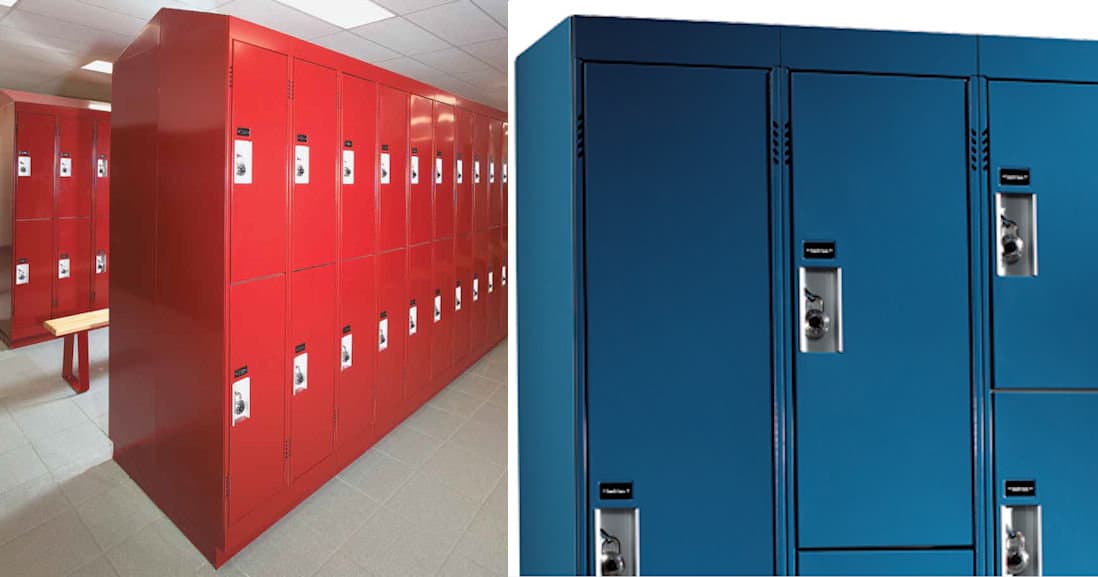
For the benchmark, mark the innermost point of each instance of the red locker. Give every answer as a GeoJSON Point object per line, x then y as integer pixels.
{"type": "Point", "coordinates": [34, 271]}
{"type": "Point", "coordinates": [257, 393]}
{"type": "Point", "coordinates": [442, 306]}
{"type": "Point", "coordinates": [463, 177]}
{"type": "Point", "coordinates": [420, 308]}
{"type": "Point", "coordinates": [101, 210]}
{"type": "Point", "coordinates": [35, 135]}
{"type": "Point", "coordinates": [420, 171]}
{"type": "Point", "coordinates": [493, 295]}
{"type": "Point", "coordinates": [444, 171]}
{"type": "Point", "coordinates": [501, 282]}
{"type": "Point", "coordinates": [478, 297]}
{"type": "Point", "coordinates": [75, 140]}
{"type": "Point", "coordinates": [358, 350]}
{"type": "Point", "coordinates": [504, 200]}
{"type": "Point", "coordinates": [393, 172]}
{"type": "Point", "coordinates": [259, 117]}
{"type": "Point", "coordinates": [358, 199]}
{"type": "Point", "coordinates": [313, 220]}
{"type": "Point", "coordinates": [480, 173]}
{"type": "Point", "coordinates": [392, 320]}
{"type": "Point", "coordinates": [463, 297]}
{"type": "Point", "coordinates": [314, 360]}
{"type": "Point", "coordinates": [72, 269]}
{"type": "Point", "coordinates": [494, 184]}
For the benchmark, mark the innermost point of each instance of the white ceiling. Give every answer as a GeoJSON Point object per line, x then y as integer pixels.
{"type": "Point", "coordinates": [457, 45]}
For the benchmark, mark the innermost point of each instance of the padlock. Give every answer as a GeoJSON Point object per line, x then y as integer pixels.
{"type": "Point", "coordinates": [816, 321]}
{"type": "Point", "coordinates": [1017, 556]}
{"type": "Point", "coordinates": [1011, 242]}
{"type": "Point", "coordinates": [238, 404]}
{"type": "Point", "coordinates": [299, 377]}
{"type": "Point", "coordinates": [346, 356]}
{"type": "Point", "coordinates": [611, 561]}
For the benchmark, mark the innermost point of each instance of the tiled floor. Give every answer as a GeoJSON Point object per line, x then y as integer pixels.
{"type": "Point", "coordinates": [429, 499]}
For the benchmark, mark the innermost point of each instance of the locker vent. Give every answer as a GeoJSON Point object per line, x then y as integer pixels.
{"type": "Point", "coordinates": [579, 136]}
{"type": "Point", "coordinates": [973, 150]}
{"type": "Point", "coordinates": [775, 142]}
{"type": "Point", "coordinates": [986, 141]}
{"type": "Point", "coordinates": [226, 485]}
{"type": "Point", "coordinates": [788, 144]}
{"type": "Point", "coordinates": [230, 76]}
{"type": "Point", "coordinates": [285, 449]}
{"type": "Point", "coordinates": [290, 89]}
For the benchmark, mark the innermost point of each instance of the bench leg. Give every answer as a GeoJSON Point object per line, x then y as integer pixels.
{"type": "Point", "coordinates": [79, 381]}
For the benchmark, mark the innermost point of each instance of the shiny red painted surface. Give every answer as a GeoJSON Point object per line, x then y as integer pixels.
{"type": "Point", "coordinates": [479, 297]}
{"type": "Point", "coordinates": [75, 141]}
{"type": "Point", "coordinates": [392, 305]}
{"type": "Point", "coordinates": [480, 185]}
{"type": "Point", "coordinates": [442, 331]}
{"type": "Point", "coordinates": [463, 268]}
{"type": "Point", "coordinates": [313, 333]}
{"type": "Point", "coordinates": [463, 148]}
{"type": "Point", "coordinates": [358, 197]}
{"type": "Point", "coordinates": [444, 159]}
{"type": "Point", "coordinates": [72, 295]}
{"type": "Point", "coordinates": [501, 282]}
{"type": "Point", "coordinates": [417, 366]}
{"type": "Point", "coordinates": [494, 293]}
{"type": "Point", "coordinates": [35, 137]}
{"type": "Point", "coordinates": [101, 211]}
{"type": "Point", "coordinates": [33, 243]}
{"type": "Point", "coordinates": [313, 231]}
{"type": "Point", "coordinates": [421, 179]}
{"type": "Point", "coordinates": [257, 328]}
{"type": "Point", "coordinates": [495, 129]}
{"type": "Point", "coordinates": [392, 196]}
{"type": "Point", "coordinates": [357, 318]}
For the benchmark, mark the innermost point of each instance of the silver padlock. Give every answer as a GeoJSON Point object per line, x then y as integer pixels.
{"type": "Point", "coordinates": [1017, 555]}
{"type": "Point", "coordinates": [238, 404]}
{"type": "Point", "coordinates": [611, 560]}
{"type": "Point", "coordinates": [816, 321]}
{"type": "Point", "coordinates": [1011, 243]}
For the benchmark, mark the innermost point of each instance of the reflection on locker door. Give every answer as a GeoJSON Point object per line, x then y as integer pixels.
{"type": "Point", "coordinates": [421, 170]}
{"type": "Point", "coordinates": [34, 148]}
{"type": "Point", "coordinates": [257, 393]}
{"type": "Point", "coordinates": [1042, 321]}
{"type": "Point", "coordinates": [76, 135]}
{"type": "Point", "coordinates": [699, 363]}
{"type": "Point", "coordinates": [442, 309]}
{"type": "Point", "coordinates": [478, 293]}
{"type": "Point", "coordinates": [390, 334]}
{"type": "Point", "coordinates": [358, 162]}
{"type": "Point", "coordinates": [258, 205]}
{"type": "Point", "coordinates": [443, 171]}
{"type": "Point", "coordinates": [71, 267]}
{"type": "Point", "coordinates": [358, 355]}
{"type": "Point", "coordinates": [35, 269]}
{"type": "Point", "coordinates": [314, 353]}
{"type": "Point", "coordinates": [883, 453]}
{"type": "Point", "coordinates": [462, 290]}
{"type": "Point", "coordinates": [493, 172]}
{"type": "Point", "coordinates": [479, 172]}
{"type": "Point", "coordinates": [101, 210]}
{"type": "Point", "coordinates": [420, 322]}
{"type": "Point", "coordinates": [313, 222]}
{"type": "Point", "coordinates": [463, 171]}
{"type": "Point", "coordinates": [393, 169]}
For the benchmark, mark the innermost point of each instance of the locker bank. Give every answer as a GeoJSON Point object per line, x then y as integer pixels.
{"type": "Point", "coordinates": [788, 305]}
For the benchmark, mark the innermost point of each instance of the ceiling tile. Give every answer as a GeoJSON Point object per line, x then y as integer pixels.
{"type": "Point", "coordinates": [280, 17]}
{"type": "Point", "coordinates": [206, 5]}
{"type": "Point", "coordinates": [493, 52]}
{"type": "Point", "coordinates": [400, 35]}
{"type": "Point", "coordinates": [459, 23]}
{"type": "Point", "coordinates": [357, 47]}
{"type": "Point", "coordinates": [83, 14]}
{"type": "Point", "coordinates": [497, 9]}
{"type": "Point", "coordinates": [453, 61]}
{"type": "Point", "coordinates": [143, 9]}
{"type": "Point", "coordinates": [76, 88]}
{"type": "Point", "coordinates": [413, 68]}
{"type": "Point", "coordinates": [407, 6]}
{"type": "Point", "coordinates": [50, 34]}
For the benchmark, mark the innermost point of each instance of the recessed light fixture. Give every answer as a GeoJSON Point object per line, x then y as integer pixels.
{"type": "Point", "coordinates": [96, 105]}
{"type": "Point", "coordinates": [99, 66]}
{"type": "Point", "coordinates": [8, 2]}
{"type": "Point", "coordinates": [341, 12]}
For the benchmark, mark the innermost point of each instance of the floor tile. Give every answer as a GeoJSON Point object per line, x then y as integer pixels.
{"type": "Point", "coordinates": [391, 545]}
{"type": "Point", "coordinates": [99, 567]}
{"type": "Point", "coordinates": [488, 441]}
{"type": "Point", "coordinates": [341, 566]}
{"type": "Point", "coordinates": [158, 549]}
{"type": "Point", "coordinates": [289, 549]}
{"type": "Point", "coordinates": [80, 482]}
{"type": "Point", "coordinates": [435, 422]}
{"type": "Point", "coordinates": [474, 385]}
{"type": "Point", "coordinates": [427, 502]}
{"type": "Point", "coordinates": [493, 415]}
{"type": "Point", "coordinates": [456, 402]}
{"type": "Point", "coordinates": [94, 402]}
{"type": "Point", "coordinates": [20, 465]}
{"type": "Point", "coordinates": [408, 445]}
{"type": "Point", "coordinates": [499, 397]}
{"type": "Point", "coordinates": [81, 445]}
{"type": "Point", "coordinates": [44, 419]}
{"type": "Point", "coordinates": [54, 548]}
{"type": "Point", "coordinates": [336, 510]}
{"type": "Point", "coordinates": [377, 474]}
{"type": "Point", "coordinates": [29, 505]}
{"type": "Point", "coordinates": [117, 514]}
{"type": "Point", "coordinates": [468, 473]}
{"type": "Point", "coordinates": [461, 566]}
{"type": "Point", "coordinates": [10, 434]}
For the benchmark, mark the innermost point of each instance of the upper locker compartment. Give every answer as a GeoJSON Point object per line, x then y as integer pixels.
{"type": "Point", "coordinates": [1044, 139]}
{"type": "Point", "coordinates": [393, 171]}
{"type": "Point", "coordinates": [479, 172]}
{"type": "Point", "coordinates": [420, 170]}
{"type": "Point", "coordinates": [76, 137]}
{"type": "Point", "coordinates": [313, 219]}
{"type": "Point", "coordinates": [34, 150]}
{"type": "Point", "coordinates": [463, 180]}
{"type": "Point", "coordinates": [883, 395]}
{"type": "Point", "coordinates": [495, 128]}
{"type": "Point", "coordinates": [358, 166]}
{"type": "Point", "coordinates": [443, 171]}
{"type": "Point", "coordinates": [257, 222]}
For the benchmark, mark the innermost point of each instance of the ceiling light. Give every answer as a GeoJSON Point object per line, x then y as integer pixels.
{"type": "Point", "coordinates": [99, 66]}
{"type": "Point", "coordinates": [8, 2]}
{"type": "Point", "coordinates": [341, 12]}
{"type": "Point", "coordinates": [96, 105]}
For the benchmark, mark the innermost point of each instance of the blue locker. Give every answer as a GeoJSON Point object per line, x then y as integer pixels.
{"type": "Point", "coordinates": [940, 562]}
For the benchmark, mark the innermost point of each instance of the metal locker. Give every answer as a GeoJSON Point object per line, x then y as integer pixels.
{"type": "Point", "coordinates": [463, 296]}
{"type": "Point", "coordinates": [313, 149]}
{"type": "Point", "coordinates": [442, 309]}
{"type": "Point", "coordinates": [420, 170]}
{"type": "Point", "coordinates": [75, 166]}
{"type": "Point", "coordinates": [419, 309]}
{"type": "Point", "coordinates": [499, 279]}
{"type": "Point", "coordinates": [358, 165]}
{"type": "Point", "coordinates": [256, 393]}
{"type": "Point", "coordinates": [101, 203]}
{"type": "Point", "coordinates": [35, 269]}
{"type": "Point", "coordinates": [36, 165]}
{"type": "Point", "coordinates": [492, 291]}
{"type": "Point", "coordinates": [442, 171]}
{"type": "Point", "coordinates": [258, 197]}
{"type": "Point", "coordinates": [72, 267]}
{"type": "Point", "coordinates": [390, 336]}
{"type": "Point", "coordinates": [478, 293]}
{"type": "Point", "coordinates": [503, 176]}
{"type": "Point", "coordinates": [495, 166]}
{"type": "Point", "coordinates": [463, 172]}
{"type": "Point", "coordinates": [479, 172]}
{"type": "Point", "coordinates": [883, 396]}
{"type": "Point", "coordinates": [314, 360]}
{"type": "Point", "coordinates": [393, 170]}
{"type": "Point", "coordinates": [886, 563]}
{"type": "Point", "coordinates": [357, 352]}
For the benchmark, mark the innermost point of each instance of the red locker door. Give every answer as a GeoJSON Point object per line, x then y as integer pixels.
{"type": "Point", "coordinates": [314, 361]}
{"type": "Point", "coordinates": [463, 171]}
{"type": "Point", "coordinates": [34, 148]}
{"type": "Point", "coordinates": [501, 281]}
{"type": "Point", "coordinates": [494, 130]}
{"type": "Point", "coordinates": [442, 309]}
{"type": "Point", "coordinates": [444, 171]}
{"type": "Point", "coordinates": [504, 158]}
{"type": "Point", "coordinates": [358, 350]}
{"type": "Point", "coordinates": [493, 295]}
{"type": "Point", "coordinates": [478, 293]}
{"type": "Point", "coordinates": [359, 166]}
{"type": "Point", "coordinates": [393, 172]}
{"type": "Point", "coordinates": [392, 307]}
{"type": "Point", "coordinates": [72, 269]}
{"type": "Point", "coordinates": [259, 195]}
{"type": "Point", "coordinates": [420, 308]}
{"type": "Point", "coordinates": [480, 173]}
{"type": "Point", "coordinates": [313, 229]}
{"type": "Point", "coordinates": [101, 203]}
{"type": "Point", "coordinates": [257, 393]}
{"type": "Point", "coordinates": [76, 137]}
{"type": "Point", "coordinates": [35, 269]}
{"type": "Point", "coordinates": [463, 298]}
{"type": "Point", "coordinates": [420, 171]}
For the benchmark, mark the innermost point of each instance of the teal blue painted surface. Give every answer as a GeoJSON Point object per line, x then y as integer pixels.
{"type": "Point", "coordinates": [886, 563]}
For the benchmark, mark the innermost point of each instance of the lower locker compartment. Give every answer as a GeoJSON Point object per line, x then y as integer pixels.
{"type": "Point", "coordinates": [101, 271]}
{"type": "Point", "coordinates": [31, 295]}
{"type": "Point", "coordinates": [417, 369]}
{"type": "Point", "coordinates": [442, 309]}
{"type": "Point", "coordinates": [463, 283]}
{"type": "Point", "coordinates": [357, 350]}
{"type": "Point", "coordinates": [314, 357]}
{"type": "Point", "coordinates": [72, 278]}
{"type": "Point", "coordinates": [478, 296]}
{"type": "Point", "coordinates": [929, 562]}
{"type": "Point", "coordinates": [391, 330]}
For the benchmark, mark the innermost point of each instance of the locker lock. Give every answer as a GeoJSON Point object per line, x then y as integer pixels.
{"type": "Point", "coordinates": [238, 404]}
{"type": "Point", "coordinates": [345, 355]}
{"type": "Point", "coordinates": [241, 167]}
{"type": "Point", "coordinates": [816, 321]}
{"type": "Point", "coordinates": [299, 377]}
{"type": "Point", "coordinates": [1011, 243]}
{"type": "Point", "coordinates": [1017, 555]}
{"type": "Point", "coordinates": [611, 560]}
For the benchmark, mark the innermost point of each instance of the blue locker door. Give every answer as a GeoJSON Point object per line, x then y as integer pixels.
{"type": "Point", "coordinates": [883, 428]}
{"type": "Point", "coordinates": [937, 562]}
{"type": "Point", "coordinates": [678, 321]}
{"type": "Point", "coordinates": [1042, 325]}
{"type": "Point", "coordinates": [1049, 438]}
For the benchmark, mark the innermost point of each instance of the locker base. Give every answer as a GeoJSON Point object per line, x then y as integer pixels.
{"type": "Point", "coordinates": [25, 341]}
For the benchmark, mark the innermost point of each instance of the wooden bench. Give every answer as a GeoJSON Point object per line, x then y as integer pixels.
{"type": "Point", "coordinates": [78, 326]}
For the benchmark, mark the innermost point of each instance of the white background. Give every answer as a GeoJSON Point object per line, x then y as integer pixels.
{"type": "Point", "coordinates": [528, 20]}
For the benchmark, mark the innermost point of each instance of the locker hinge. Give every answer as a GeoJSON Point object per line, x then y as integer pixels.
{"type": "Point", "coordinates": [230, 76]}
{"type": "Point", "coordinates": [226, 485]}
{"type": "Point", "coordinates": [579, 136]}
